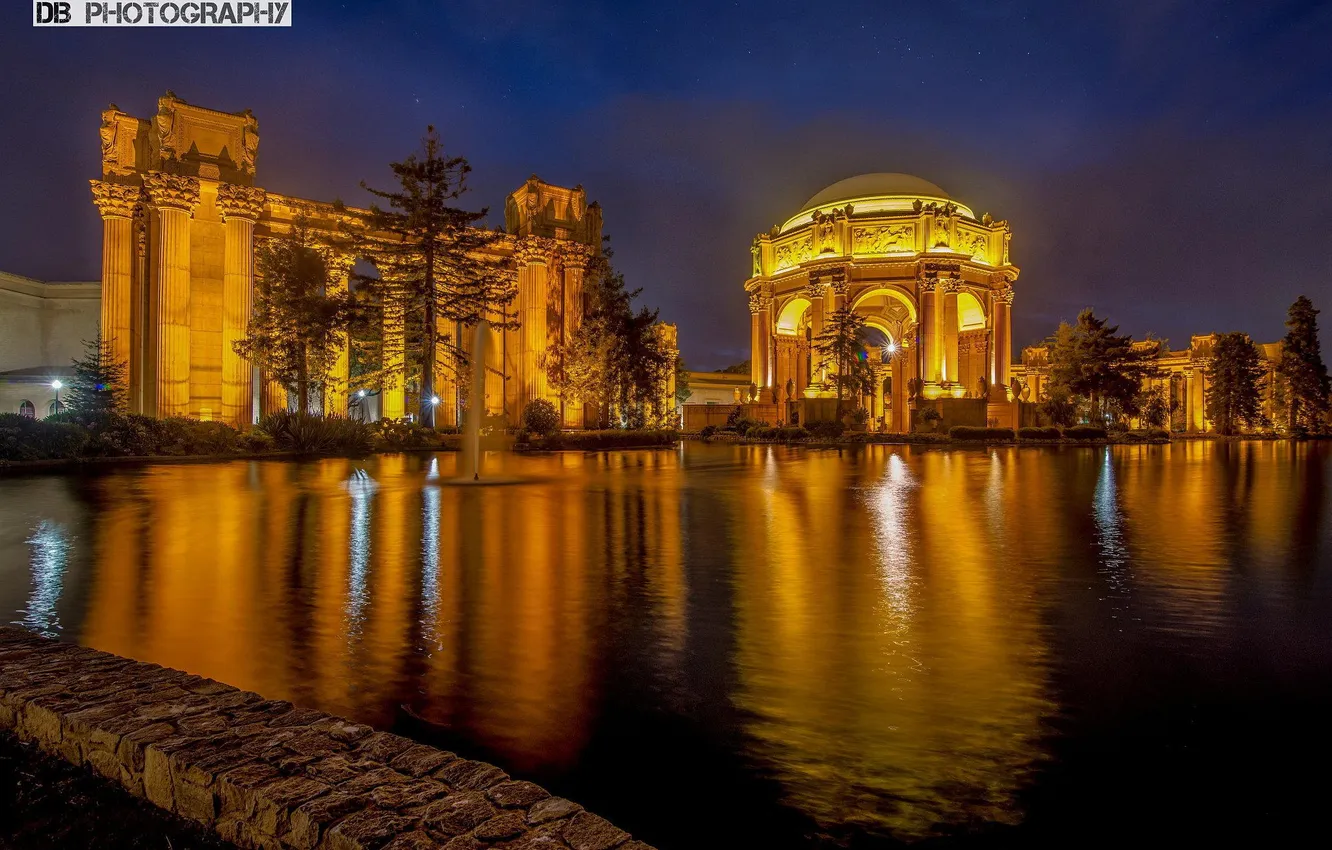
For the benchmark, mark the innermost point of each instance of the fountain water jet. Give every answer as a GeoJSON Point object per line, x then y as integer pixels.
{"type": "Point", "coordinates": [469, 464]}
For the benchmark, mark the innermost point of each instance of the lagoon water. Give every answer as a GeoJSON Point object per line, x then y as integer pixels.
{"type": "Point", "coordinates": [755, 646]}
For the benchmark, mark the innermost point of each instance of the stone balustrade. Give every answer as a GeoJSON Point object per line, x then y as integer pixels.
{"type": "Point", "coordinates": [265, 774]}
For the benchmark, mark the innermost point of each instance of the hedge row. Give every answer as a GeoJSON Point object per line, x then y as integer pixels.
{"type": "Point", "coordinates": [69, 436]}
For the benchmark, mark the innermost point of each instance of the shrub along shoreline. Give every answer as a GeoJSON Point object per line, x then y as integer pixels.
{"type": "Point", "coordinates": [68, 439]}
{"type": "Point", "coordinates": [71, 438]}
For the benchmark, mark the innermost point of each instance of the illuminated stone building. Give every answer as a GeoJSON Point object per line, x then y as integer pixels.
{"type": "Point", "coordinates": [933, 280]}
{"type": "Point", "coordinates": [182, 212]}
{"type": "Point", "coordinates": [1181, 374]}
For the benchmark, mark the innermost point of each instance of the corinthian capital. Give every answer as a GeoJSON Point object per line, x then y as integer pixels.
{"type": "Point", "coordinates": [172, 191]}
{"type": "Point", "coordinates": [758, 302]}
{"type": "Point", "coordinates": [532, 250]}
{"type": "Point", "coordinates": [1004, 293]}
{"type": "Point", "coordinates": [575, 254]}
{"type": "Point", "coordinates": [114, 200]}
{"type": "Point", "coordinates": [244, 202]}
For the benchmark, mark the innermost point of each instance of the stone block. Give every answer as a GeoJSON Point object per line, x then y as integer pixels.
{"type": "Point", "coordinates": [402, 795]}
{"type": "Point", "coordinates": [130, 750]}
{"type": "Point", "coordinates": [157, 784]}
{"type": "Point", "coordinates": [366, 830]}
{"type": "Point", "coordinates": [470, 775]}
{"type": "Point", "coordinates": [238, 789]}
{"type": "Point", "coordinates": [274, 801]}
{"type": "Point", "coordinates": [456, 813]}
{"type": "Point", "coordinates": [517, 795]}
{"type": "Point", "coordinates": [297, 717]}
{"type": "Point", "coordinates": [501, 827]}
{"type": "Point", "coordinates": [334, 770]}
{"type": "Point", "coordinates": [420, 760]}
{"type": "Point", "coordinates": [382, 746]}
{"type": "Point", "coordinates": [307, 822]}
{"type": "Point", "coordinates": [342, 730]}
{"type": "Point", "coordinates": [371, 778]}
{"type": "Point", "coordinates": [195, 802]}
{"type": "Point", "coordinates": [41, 725]}
{"type": "Point", "coordinates": [552, 808]}
{"type": "Point", "coordinates": [311, 743]}
{"type": "Point", "coordinates": [586, 831]}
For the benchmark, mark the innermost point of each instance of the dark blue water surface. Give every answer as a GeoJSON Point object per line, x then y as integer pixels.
{"type": "Point", "coordinates": [745, 646]}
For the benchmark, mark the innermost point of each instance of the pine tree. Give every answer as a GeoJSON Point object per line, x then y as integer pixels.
{"type": "Point", "coordinates": [98, 386]}
{"type": "Point", "coordinates": [299, 322]}
{"type": "Point", "coordinates": [1093, 360]}
{"type": "Point", "coordinates": [1302, 368]}
{"type": "Point", "coordinates": [1233, 400]}
{"type": "Point", "coordinates": [839, 346]}
{"type": "Point", "coordinates": [434, 260]}
{"type": "Point", "coordinates": [615, 359]}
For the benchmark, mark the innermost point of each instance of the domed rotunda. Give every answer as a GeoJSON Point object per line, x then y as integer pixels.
{"type": "Point", "coordinates": [933, 282]}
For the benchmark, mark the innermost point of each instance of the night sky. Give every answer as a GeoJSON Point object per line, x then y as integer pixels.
{"type": "Point", "coordinates": [1169, 163]}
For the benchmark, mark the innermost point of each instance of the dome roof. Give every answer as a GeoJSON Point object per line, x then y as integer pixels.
{"type": "Point", "coordinates": [877, 185]}
{"type": "Point", "coordinates": [885, 192]}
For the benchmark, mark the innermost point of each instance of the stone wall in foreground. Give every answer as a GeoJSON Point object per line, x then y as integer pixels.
{"type": "Point", "coordinates": [265, 774]}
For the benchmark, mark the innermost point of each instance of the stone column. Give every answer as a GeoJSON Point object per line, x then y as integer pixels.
{"type": "Point", "coordinates": [116, 204]}
{"type": "Point", "coordinates": [337, 386]}
{"type": "Point", "coordinates": [576, 256]}
{"type": "Point", "coordinates": [948, 321]}
{"type": "Point", "coordinates": [393, 398]}
{"type": "Point", "coordinates": [174, 199]}
{"type": "Point", "coordinates": [814, 292]}
{"type": "Point", "coordinates": [929, 330]}
{"type": "Point", "coordinates": [839, 287]}
{"type": "Point", "coordinates": [801, 369]}
{"type": "Point", "coordinates": [765, 348]}
{"type": "Point", "coordinates": [878, 392]}
{"type": "Point", "coordinates": [529, 376]}
{"type": "Point", "coordinates": [240, 207]}
{"type": "Point", "coordinates": [900, 378]}
{"type": "Point", "coordinates": [1003, 338]}
{"type": "Point", "coordinates": [755, 339]}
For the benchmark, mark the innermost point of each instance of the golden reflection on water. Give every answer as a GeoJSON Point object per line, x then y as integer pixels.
{"type": "Point", "coordinates": [883, 622]}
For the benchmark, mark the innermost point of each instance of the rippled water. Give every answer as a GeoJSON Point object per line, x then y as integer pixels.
{"type": "Point", "coordinates": [729, 646]}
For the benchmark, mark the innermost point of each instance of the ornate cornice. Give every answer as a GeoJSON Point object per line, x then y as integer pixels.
{"type": "Point", "coordinates": [114, 200]}
{"type": "Point", "coordinates": [172, 191]}
{"type": "Point", "coordinates": [242, 202]}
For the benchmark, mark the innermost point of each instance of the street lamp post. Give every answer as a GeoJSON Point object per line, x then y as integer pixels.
{"type": "Point", "coordinates": [56, 385]}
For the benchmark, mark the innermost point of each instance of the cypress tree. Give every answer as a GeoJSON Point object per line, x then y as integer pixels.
{"type": "Point", "coordinates": [1232, 399]}
{"type": "Point", "coordinates": [1302, 368]}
